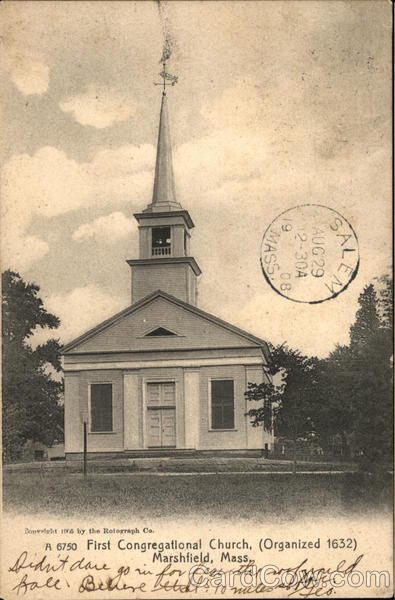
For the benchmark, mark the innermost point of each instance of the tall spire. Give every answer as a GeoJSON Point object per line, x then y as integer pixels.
{"type": "Point", "coordinates": [164, 196]}
{"type": "Point", "coordinates": [164, 228]}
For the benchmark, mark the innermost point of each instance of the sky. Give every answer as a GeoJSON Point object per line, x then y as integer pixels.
{"type": "Point", "coordinates": [277, 104]}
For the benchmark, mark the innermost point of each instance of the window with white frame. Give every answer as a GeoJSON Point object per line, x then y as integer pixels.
{"type": "Point", "coordinates": [101, 407]}
{"type": "Point", "coordinates": [222, 404]}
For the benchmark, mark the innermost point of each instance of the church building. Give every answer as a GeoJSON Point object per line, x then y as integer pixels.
{"type": "Point", "coordinates": [163, 377]}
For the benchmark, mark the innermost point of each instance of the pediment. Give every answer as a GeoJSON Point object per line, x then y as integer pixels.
{"type": "Point", "coordinates": [180, 326]}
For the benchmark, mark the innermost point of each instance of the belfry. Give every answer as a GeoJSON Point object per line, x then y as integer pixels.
{"type": "Point", "coordinates": [164, 232]}
{"type": "Point", "coordinates": [163, 377]}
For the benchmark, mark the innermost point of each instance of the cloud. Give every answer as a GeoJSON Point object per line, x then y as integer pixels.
{"type": "Point", "coordinates": [237, 106]}
{"type": "Point", "coordinates": [261, 157]}
{"type": "Point", "coordinates": [225, 155]}
{"type": "Point", "coordinates": [123, 160]}
{"type": "Point", "coordinates": [253, 136]}
{"type": "Point", "coordinates": [229, 168]}
{"type": "Point", "coordinates": [247, 171]}
{"type": "Point", "coordinates": [28, 72]}
{"type": "Point", "coordinates": [78, 310]}
{"type": "Point", "coordinates": [99, 106]}
{"type": "Point", "coordinates": [25, 250]}
{"type": "Point", "coordinates": [257, 315]}
{"type": "Point", "coordinates": [49, 184]}
{"type": "Point", "coordinates": [108, 229]}
{"type": "Point", "coordinates": [30, 76]}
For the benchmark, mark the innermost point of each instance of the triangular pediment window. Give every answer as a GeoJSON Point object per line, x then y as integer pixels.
{"type": "Point", "coordinates": [159, 332]}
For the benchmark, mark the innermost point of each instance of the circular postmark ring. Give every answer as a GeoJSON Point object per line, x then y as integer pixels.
{"type": "Point", "coordinates": [309, 254]}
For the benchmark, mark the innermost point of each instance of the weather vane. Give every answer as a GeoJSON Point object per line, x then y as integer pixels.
{"type": "Point", "coordinates": [167, 78]}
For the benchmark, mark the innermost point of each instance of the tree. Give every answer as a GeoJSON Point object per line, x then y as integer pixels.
{"type": "Point", "coordinates": [347, 394]}
{"type": "Point", "coordinates": [31, 407]}
{"type": "Point", "coordinates": [367, 321]}
{"type": "Point", "coordinates": [385, 297]}
{"type": "Point", "coordinates": [287, 397]}
{"type": "Point", "coordinates": [330, 411]}
{"type": "Point", "coordinates": [354, 397]}
{"type": "Point", "coordinates": [370, 357]}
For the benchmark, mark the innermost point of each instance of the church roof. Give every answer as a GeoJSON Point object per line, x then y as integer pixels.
{"type": "Point", "coordinates": [174, 301]}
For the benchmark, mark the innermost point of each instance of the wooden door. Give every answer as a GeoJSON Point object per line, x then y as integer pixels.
{"type": "Point", "coordinates": [154, 428]}
{"type": "Point", "coordinates": [161, 415]}
{"type": "Point", "coordinates": [168, 416]}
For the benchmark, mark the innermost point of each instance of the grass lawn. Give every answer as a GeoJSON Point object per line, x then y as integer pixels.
{"type": "Point", "coordinates": [251, 496]}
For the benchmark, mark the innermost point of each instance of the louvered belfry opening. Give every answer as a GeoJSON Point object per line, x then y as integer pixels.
{"type": "Point", "coordinates": [161, 241]}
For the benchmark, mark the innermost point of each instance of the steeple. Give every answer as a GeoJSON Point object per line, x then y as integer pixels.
{"type": "Point", "coordinates": [164, 196]}
{"type": "Point", "coordinates": [164, 229]}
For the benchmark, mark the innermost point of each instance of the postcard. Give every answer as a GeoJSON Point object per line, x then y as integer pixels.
{"type": "Point", "coordinates": [197, 304]}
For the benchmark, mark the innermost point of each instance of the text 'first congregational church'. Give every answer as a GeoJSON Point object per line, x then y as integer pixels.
{"type": "Point", "coordinates": [163, 376]}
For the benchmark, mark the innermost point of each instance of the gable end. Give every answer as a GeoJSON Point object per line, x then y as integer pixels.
{"type": "Point", "coordinates": [250, 339]}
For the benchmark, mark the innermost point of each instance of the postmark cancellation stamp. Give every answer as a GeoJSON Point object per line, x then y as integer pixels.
{"type": "Point", "coordinates": [309, 253]}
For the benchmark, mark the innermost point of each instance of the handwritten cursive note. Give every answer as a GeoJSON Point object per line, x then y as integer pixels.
{"type": "Point", "coordinates": [84, 576]}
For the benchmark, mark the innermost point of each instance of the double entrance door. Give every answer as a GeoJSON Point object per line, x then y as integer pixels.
{"type": "Point", "coordinates": [161, 415]}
